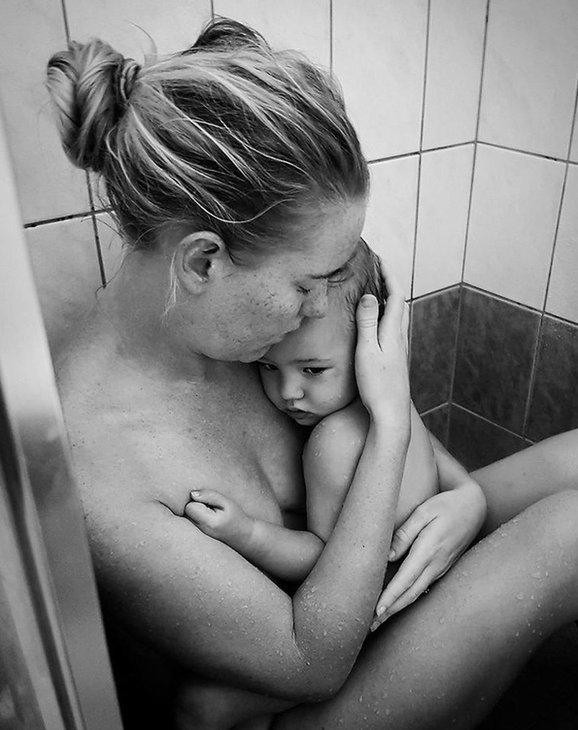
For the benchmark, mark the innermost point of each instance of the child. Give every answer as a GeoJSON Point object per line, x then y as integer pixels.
{"type": "Point", "coordinates": [310, 377]}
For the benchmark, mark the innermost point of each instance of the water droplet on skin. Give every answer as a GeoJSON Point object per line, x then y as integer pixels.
{"type": "Point", "coordinates": [360, 698]}
{"type": "Point", "coordinates": [388, 711]}
{"type": "Point", "coordinates": [520, 596]}
{"type": "Point", "coordinates": [517, 633]}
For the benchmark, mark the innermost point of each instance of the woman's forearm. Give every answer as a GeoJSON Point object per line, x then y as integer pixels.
{"type": "Point", "coordinates": [334, 606]}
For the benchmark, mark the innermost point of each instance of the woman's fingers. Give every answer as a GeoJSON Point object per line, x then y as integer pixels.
{"type": "Point", "coordinates": [367, 315]}
{"type": "Point", "coordinates": [417, 589]}
{"type": "Point", "coordinates": [404, 536]}
{"type": "Point", "coordinates": [409, 572]}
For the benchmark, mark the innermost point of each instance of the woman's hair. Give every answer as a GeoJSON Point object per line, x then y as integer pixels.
{"type": "Point", "coordinates": [365, 279]}
{"type": "Point", "coordinates": [228, 136]}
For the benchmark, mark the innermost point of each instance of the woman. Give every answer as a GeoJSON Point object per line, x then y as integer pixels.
{"type": "Point", "coordinates": [238, 184]}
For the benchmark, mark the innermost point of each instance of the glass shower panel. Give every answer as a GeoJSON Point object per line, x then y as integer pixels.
{"type": "Point", "coordinates": [54, 667]}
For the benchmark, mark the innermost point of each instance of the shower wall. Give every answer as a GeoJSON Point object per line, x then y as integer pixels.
{"type": "Point", "coordinates": [464, 109]}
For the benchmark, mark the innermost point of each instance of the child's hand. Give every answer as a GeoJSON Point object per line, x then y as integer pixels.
{"type": "Point", "coordinates": [381, 355]}
{"type": "Point", "coordinates": [219, 517]}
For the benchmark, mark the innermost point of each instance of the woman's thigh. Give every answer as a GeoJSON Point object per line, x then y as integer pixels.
{"type": "Point", "coordinates": [443, 662]}
{"type": "Point", "coordinates": [514, 483]}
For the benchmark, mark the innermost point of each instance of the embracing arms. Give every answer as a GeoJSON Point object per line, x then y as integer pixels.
{"type": "Point", "coordinates": [212, 611]}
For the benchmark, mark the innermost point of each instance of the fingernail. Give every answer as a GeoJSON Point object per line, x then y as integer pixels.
{"type": "Point", "coordinates": [195, 494]}
{"type": "Point", "coordinates": [374, 625]}
{"type": "Point", "coordinates": [380, 610]}
{"type": "Point", "coordinates": [391, 555]}
{"type": "Point", "coordinates": [366, 300]}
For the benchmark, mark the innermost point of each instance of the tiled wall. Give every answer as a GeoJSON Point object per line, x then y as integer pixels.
{"type": "Point", "coordinates": [464, 109]}
{"type": "Point", "coordinates": [515, 372]}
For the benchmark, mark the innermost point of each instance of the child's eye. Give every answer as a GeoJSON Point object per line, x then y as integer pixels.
{"type": "Point", "coordinates": [314, 371]}
{"type": "Point", "coordinates": [267, 366]}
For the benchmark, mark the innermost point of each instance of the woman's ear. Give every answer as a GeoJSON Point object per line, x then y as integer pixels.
{"type": "Point", "coordinates": [198, 259]}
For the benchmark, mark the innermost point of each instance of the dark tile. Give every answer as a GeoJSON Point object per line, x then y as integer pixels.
{"type": "Point", "coordinates": [437, 421]}
{"type": "Point", "coordinates": [495, 350]}
{"type": "Point", "coordinates": [554, 405]}
{"type": "Point", "coordinates": [434, 325]}
{"type": "Point", "coordinates": [476, 443]}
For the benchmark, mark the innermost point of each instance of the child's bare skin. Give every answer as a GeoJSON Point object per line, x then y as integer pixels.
{"type": "Point", "coordinates": [310, 377]}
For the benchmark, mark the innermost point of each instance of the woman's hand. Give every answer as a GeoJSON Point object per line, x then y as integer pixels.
{"type": "Point", "coordinates": [436, 533]}
{"type": "Point", "coordinates": [381, 355]}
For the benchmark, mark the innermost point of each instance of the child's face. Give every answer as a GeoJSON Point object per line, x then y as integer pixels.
{"type": "Point", "coordinates": [310, 374]}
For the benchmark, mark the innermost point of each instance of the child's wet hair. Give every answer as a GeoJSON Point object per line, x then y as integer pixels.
{"type": "Point", "coordinates": [366, 279]}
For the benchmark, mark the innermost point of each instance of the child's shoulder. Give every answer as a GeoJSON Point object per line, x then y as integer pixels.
{"type": "Point", "coordinates": [345, 427]}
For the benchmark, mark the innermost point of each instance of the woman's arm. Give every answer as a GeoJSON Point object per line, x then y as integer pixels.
{"type": "Point", "coordinates": [202, 604]}
{"type": "Point", "coordinates": [278, 551]}
{"type": "Point", "coordinates": [434, 536]}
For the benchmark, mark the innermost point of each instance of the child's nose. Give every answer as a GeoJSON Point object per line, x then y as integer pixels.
{"type": "Point", "coordinates": [291, 389]}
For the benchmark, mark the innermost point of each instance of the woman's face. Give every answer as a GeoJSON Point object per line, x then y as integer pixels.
{"type": "Point", "coordinates": [254, 307]}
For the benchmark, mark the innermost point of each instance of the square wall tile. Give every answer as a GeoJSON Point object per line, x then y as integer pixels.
{"type": "Point", "coordinates": [434, 325]}
{"type": "Point", "coordinates": [48, 185]}
{"type": "Point", "coordinates": [530, 75]}
{"type": "Point", "coordinates": [437, 422]}
{"type": "Point", "coordinates": [563, 288]}
{"type": "Point", "coordinates": [379, 56]}
{"type": "Point", "coordinates": [305, 25]}
{"type": "Point", "coordinates": [390, 221]}
{"type": "Point", "coordinates": [442, 218]}
{"type": "Point", "coordinates": [513, 216]}
{"type": "Point", "coordinates": [496, 345]}
{"type": "Point", "coordinates": [554, 406]}
{"type": "Point", "coordinates": [454, 71]}
{"type": "Point", "coordinates": [66, 273]}
{"type": "Point", "coordinates": [475, 443]}
{"type": "Point", "coordinates": [127, 24]}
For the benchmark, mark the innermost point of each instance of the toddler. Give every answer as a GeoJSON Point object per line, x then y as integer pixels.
{"type": "Point", "coordinates": [310, 376]}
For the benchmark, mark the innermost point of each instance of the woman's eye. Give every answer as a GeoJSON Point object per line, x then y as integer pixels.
{"type": "Point", "coordinates": [267, 366]}
{"type": "Point", "coordinates": [314, 371]}
{"type": "Point", "coordinates": [303, 290]}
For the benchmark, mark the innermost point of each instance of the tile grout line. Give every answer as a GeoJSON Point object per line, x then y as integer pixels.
{"type": "Point", "coordinates": [418, 191]}
{"type": "Point", "coordinates": [524, 152]}
{"type": "Point", "coordinates": [476, 135]}
{"type": "Point", "coordinates": [490, 422]}
{"type": "Point", "coordinates": [331, 38]}
{"type": "Point", "coordinates": [532, 382]}
{"type": "Point", "coordinates": [468, 218]}
{"type": "Point", "coordinates": [66, 23]}
{"type": "Point", "coordinates": [96, 236]}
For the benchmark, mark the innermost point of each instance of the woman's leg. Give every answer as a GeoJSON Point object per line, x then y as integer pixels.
{"type": "Point", "coordinates": [443, 662]}
{"type": "Point", "coordinates": [514, 483]}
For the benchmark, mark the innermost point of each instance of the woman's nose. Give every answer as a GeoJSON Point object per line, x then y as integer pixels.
{"type": "Point", "coordinates": [291, 389]}
{"type": "Point", "coordinates": [315, 304]}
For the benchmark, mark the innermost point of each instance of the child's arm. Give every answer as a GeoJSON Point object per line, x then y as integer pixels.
{"type": "Point", "coordinates": [283, 553]}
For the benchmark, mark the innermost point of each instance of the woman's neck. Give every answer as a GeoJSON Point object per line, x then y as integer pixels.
{"type": "Point", "coordinates": [132, 310]}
